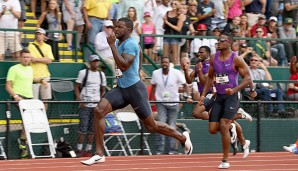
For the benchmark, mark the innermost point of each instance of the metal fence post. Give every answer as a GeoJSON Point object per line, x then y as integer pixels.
{"type": "Point", "coordinates": [8, 116]}
{"type": "Point", "coordinates": [260, 110]}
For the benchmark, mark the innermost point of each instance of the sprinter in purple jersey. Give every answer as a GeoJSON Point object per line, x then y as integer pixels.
{"type": "Point", "coordinates": [200, 73]}
{"type": "Point", "coordinates": [225, 66]}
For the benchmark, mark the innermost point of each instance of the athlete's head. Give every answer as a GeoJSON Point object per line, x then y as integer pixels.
{"type": "Point", "coordinates": [204, 53]}
{"type": "Point", "coordinates": [124, 27]}
{"type": "Point", "coordinates": [225, 41]}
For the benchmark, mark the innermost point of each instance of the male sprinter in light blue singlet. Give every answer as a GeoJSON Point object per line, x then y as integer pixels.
{"type": "Point", "coordinates": [130, 90]}
{"type": "Point", "coordinates": [225, 66]}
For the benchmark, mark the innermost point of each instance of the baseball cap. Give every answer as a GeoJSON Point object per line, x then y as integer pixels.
{"type": "Point", "coordinates": [40, 30]}
{"type": "Point", "coordinates": [262, 16]}
{"type": "Point", "coordinates": [147, 14]}
{"type": "Point", "coordinates": [108, 23]}
{"type": "Point", "coordinates": [273, 18]}
{"type": "Point", "coordinates": [201, 27]}
{"type": "Point", "coordinates": [288, 21]}
{"type": "Point", "coordinates": [93, 58]}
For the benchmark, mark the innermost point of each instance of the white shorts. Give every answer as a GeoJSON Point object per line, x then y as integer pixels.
{"type": "Point", "coordinates": [10, 41]}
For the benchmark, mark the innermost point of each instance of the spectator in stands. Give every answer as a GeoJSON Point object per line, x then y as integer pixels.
{"type": "Point", "coordinates": [293, 65]}
{"type": "Point", "coordinates": [148, 27]}
{"type": "Point", "coordinates": [192, 10]}
{"type": "Point", "coordinates": [157, 19]}
{"type": "Point", "coordinates": [244, 28]}
{"type": "Point", "coordinates": [261, 48]}
{"type": "Point", "coordinates": [198, 42]}
{"type": "Point", "coordinates": [232, 25]}
{"type": "Point", "coordinates": [260, 23]}
{"type": "Point", "coordinates": [277, 48]}
{"type": "Point", "coordinates": [173, 23]}
{"type": "Point", "coordinates": [187, 29]}
{"type": "Point", "coordinates": [205, 11]}
{"type": "Point", "coordinates": [9, 14]}
{"type": "Point", "coordinates": [53, 18]}
{"type": "Point", "coordinates": [264, 89]}
{"type": "Point", "coordinates": [287, 31]}
{"type": "Point", "coordinates": [138, 5]}
{"type": "Point", "coordinates": [101, 45]}
{"type": "Point", "coordinates": [292, 93]}
{"type": "Point", "coordinates": [220, 17]}
{"type": "Point", "coordinates": [245, 52]}
{"type": "Point", "coordinates": [90, 86]}
{"type": "Point", "coordinates": [132, 14]}
{"type": "Point", "coordinates": [43, 6]}
{"type": "Point", "coordinates": [22, 18]}
{"type": "Point", "coordinates": [216, 31]}
{"type": "Point", "coordinates": [95, 12]}
{"type": "Point", "coordinates": [149, 6]}
{"type": "Point", "coordinates": [114, 11]}
{"type": "Point", "coordinates": [41, 57]}
{"type": "Point", "coordinates": [290, 10]}
{"type": "Point", "coordinates": [73, 17]}
{"type": "Point", "coordinates": [19, 86]}
{"type": "Point", "coordinates": [253, 9]}
{"type": "Point", "coordinates": [165, 85]}
{"type": "Point", "coordinates": [235, 8]}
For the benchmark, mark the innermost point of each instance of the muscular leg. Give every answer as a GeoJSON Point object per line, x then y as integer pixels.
{"type": "Point", "coordinates": [200, 113]}
{"type": "Point", "coordinates": [103, 108]}
{"type": "Point", "coordinates": [162, 128]}
{"type": "Point", "coordinates": [225, 136]}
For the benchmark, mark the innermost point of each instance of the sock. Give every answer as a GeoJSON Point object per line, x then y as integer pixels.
{"type": "Point", "coordinates": [79, 146]}
{"type": "Point", "coordinates": [88, 147]}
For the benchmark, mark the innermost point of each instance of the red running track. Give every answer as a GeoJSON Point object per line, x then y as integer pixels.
{"type": "Point", "coordinates": [269, 161]}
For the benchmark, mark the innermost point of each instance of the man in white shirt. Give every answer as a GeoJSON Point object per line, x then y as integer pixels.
{"type": "Point", "coordinates": [90, 86]}
{"type": "Point", "coordinates": [101, 45]}
{"type": "Point", "coordinates": [10, 12]}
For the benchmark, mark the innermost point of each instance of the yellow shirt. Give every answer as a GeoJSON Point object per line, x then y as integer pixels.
{"type": "Point", "coordinates": [40, 70]}
{"type": "Point", "coordinates": [98, 8]}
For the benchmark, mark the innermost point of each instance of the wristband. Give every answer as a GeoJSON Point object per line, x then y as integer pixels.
{"type": "Point", "coordinates": [189, 97]}
{"type": "Point", "coordinates": [15, 96]}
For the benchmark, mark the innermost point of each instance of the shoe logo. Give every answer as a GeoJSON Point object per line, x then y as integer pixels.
{"type": "Point", "coordinates": [232, 108]}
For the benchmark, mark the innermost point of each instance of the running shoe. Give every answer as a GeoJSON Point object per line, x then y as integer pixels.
{"type": "Point", "coordinates": [93, 160]}
{"type": "Point", "coordinates": [233, 133]}
{"type": "Point", "coordinates": [290, 148]}
{"type": "Point", "coordinates": [244, 115]}
{"type": "Point", "coordinates": [187, 145]}
{"type": "Point", "coordinates": [224, 165]}
{"type": "Point", "coordinates": [246, 148]}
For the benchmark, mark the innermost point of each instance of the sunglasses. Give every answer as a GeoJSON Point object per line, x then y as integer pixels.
{"type": "Point", "coordinates": [216, 30]}
{"type": "Point", "coordinates": [254, 60]}
{"type": "Point", "coordinates": [259, 31]}
{"type": "Point", "coordinates": [192, 5]}
{"type": "Point", "coordinates": [173, 3]}
{"type": "Point", "coordinates": [223, 40]}
{"type": "Point", "coordinates": [109, 26]}
{"type": "Point", "coordinates": [200, 52]}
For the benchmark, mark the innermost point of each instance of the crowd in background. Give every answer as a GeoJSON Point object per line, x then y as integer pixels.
{"type": "Point", "coordinates": [241, 18]}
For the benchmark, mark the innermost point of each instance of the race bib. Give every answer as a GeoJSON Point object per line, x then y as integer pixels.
{"type": "Point", "coordinates": [222, 79]}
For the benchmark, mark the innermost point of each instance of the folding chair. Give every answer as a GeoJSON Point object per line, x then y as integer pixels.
{"type": "Point", "coordinates": [131, 128]}
{"type": "Point", "coordinates": [118, 145]}
{"type": "Point", "coordinates": [35, 120]}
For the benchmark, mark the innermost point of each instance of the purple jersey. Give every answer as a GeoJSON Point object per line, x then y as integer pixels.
{"type": "Point", "coordinates": [225, 75]}
{"type": "Point", "coordinates": [205, 68]}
